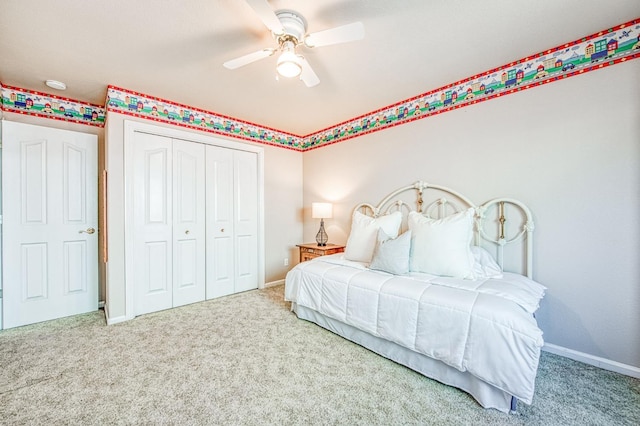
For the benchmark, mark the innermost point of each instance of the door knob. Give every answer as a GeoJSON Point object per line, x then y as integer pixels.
{"type": "Point", "coordinates": [186, 232]}
{"type": "Point", "coordinates": [87, 231]}
{"type": "Point", "coordinates": [222, 230]}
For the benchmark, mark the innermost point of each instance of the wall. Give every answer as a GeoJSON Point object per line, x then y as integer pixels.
{"type": "Point", "coordinates": [569, 150]}
{"type": "Point", "coordinates": [283, 202]}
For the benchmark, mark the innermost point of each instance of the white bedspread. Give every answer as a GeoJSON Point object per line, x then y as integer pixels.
{"type": "Point", "coordinates": [483, 327]}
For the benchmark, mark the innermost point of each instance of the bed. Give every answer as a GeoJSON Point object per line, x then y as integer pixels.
{"type": "Point", "coordinates": [424, 282]}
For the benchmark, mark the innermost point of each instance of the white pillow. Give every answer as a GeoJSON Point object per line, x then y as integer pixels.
{"type": "Point", "coordinates": [443, 246]}
{"type": "Point", "coordinates": [485, 265]}
{"type": "Point", "coordinates": [392, 254]}
{"type": "Point", "coordinates": [364, 231]}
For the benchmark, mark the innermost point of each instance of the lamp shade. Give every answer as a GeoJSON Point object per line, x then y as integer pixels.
{"type": "Point", "coordinates": [321, 210]}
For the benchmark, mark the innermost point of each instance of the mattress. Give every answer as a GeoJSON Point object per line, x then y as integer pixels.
{"type": "Point", "coordinates": [485, 329]}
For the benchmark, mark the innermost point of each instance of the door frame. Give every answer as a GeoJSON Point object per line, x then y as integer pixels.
{"type": "Point", "coordinates": [130, 128]}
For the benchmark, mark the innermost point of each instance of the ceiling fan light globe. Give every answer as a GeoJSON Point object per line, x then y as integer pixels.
{"type": "Point", "coordinates": [289, 69]}
{"type": "Point", "coordinates": [289, 65]}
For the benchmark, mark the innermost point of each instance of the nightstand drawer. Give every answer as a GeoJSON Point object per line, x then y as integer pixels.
{"type": "Point", "coordinates": [310, 251]}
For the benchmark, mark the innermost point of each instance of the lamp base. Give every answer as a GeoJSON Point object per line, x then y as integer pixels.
{"type": "Point", "coordinates": [321, 236]}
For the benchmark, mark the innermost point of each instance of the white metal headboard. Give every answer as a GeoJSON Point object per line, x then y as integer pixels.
{"type": "Point", "coordinates": [445, 201]}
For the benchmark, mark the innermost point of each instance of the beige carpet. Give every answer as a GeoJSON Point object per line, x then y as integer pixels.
{"type": "Point", "coordinates": [246, 359]}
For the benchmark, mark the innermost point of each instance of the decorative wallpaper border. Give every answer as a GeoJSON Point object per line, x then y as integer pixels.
{"type": "Point", "coordinates": [137, 104]}
{"type": "Point", "coordinates": [602, 49]}
{"type": "Point", "coordinates": [599, 50]}
{"type": "Point", "coordinates": [22, 101]}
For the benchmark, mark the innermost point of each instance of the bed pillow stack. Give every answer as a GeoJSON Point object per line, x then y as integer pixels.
{"type": "Point", "coordinates": [433, 246]}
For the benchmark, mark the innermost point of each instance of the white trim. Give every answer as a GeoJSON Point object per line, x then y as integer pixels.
{"type": "Point", "coordinates": [273, 283]}
{"type": "Point", "coordinates": [116, 320]}
{"type": "Point", "coordinates": [130, 127]}
{"type": "Point", "coordinates": [596, 361]}
{"type": "Point", "coordinates": [261, 221]}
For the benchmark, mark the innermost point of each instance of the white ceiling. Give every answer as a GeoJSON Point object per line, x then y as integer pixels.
{"type": "Point", "coordinates": [175, 49]}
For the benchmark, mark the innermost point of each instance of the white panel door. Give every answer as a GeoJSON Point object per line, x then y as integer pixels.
{"type": "Point", "coordinates": [246, 220]}
{"type": "Point", "coordinates": [50, 238]}
{"type": "Point", "coordinates": [220, 222]}
{"type": "Point", "coordinates": [152, 229]}
{"type": "Point", "coordinates": [188, 222]}
{"type": "Point", "coordinates": [232, 221]}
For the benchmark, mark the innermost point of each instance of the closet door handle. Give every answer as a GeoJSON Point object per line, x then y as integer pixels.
{"type": "Point", "coordinates": [88, 231]}
{"type": "Point", "coordinates": [186, 232]}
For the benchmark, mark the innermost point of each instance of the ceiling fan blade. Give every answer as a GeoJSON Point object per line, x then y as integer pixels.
{"type": "Point", "coordinates": [267, 15]}
{"type": "Point", "coordinates": [247, 59]}
{"type": "Point", "coordinates": [308, 76]}
{"type": "Point", "coordinates": [342, 34]}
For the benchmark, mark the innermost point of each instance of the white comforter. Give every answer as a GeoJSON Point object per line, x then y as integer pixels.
{"type": "Point", "coordinates": [483, 327]}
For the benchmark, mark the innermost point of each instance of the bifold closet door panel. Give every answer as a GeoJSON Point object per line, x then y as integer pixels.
{"type": "Point", "coordinates": [188, 222]}
{"type": "Point", "coordinates": [152, 229]}
{"type": "Point", "coordinates": [232, 221]}
{"type": "Point", "coordinates": [220, 222]}
{"type": "Point", "coordinates": [246, 220]}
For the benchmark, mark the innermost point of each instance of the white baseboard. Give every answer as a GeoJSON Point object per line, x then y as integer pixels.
{"type": "Point", "coordinates": [111, 321]}
{"type": "Point", "coordinates": [606, 364]}
{"type": "Point", "coordinates": [273, 283]}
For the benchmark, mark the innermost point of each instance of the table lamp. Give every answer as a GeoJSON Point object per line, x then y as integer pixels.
{"type": "Point", "coordinates": [322, 211]}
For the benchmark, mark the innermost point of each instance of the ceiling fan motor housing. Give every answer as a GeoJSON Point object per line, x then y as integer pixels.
{"type": "Point", "coordinates": [295, 26]}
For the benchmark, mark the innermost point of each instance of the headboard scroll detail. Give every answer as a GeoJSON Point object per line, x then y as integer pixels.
{"type": "Point", "coordinates": [436, 201]}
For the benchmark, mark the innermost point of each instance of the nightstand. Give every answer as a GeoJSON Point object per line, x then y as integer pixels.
{"type": "Point", "coordinates": [311, 250]}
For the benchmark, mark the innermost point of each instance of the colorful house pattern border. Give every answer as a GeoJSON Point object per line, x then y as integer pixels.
{"type": "Point", "coordinates": [44, 105]}
{"type": "Point", "coordinates": [140, 105]}
{"type": "Point", "coordinates": [599, 50]}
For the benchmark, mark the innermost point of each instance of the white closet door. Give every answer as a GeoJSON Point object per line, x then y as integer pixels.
{"type": "Point", "coordinates": [246, 220]}
{"type": "Point", "coordinates": [232, 221]}
{"type": "Point", "coordinates": [152, 228]}
{"type": "Point", "coordinates": [188, 222]}
{"type": "Point", "coordinates": [220, 222]}
{"type": "Point", "coordinates": [50, 238]}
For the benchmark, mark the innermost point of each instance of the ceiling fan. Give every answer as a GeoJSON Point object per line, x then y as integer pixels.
{"type": "Point", "coordinates": [289, 29]}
